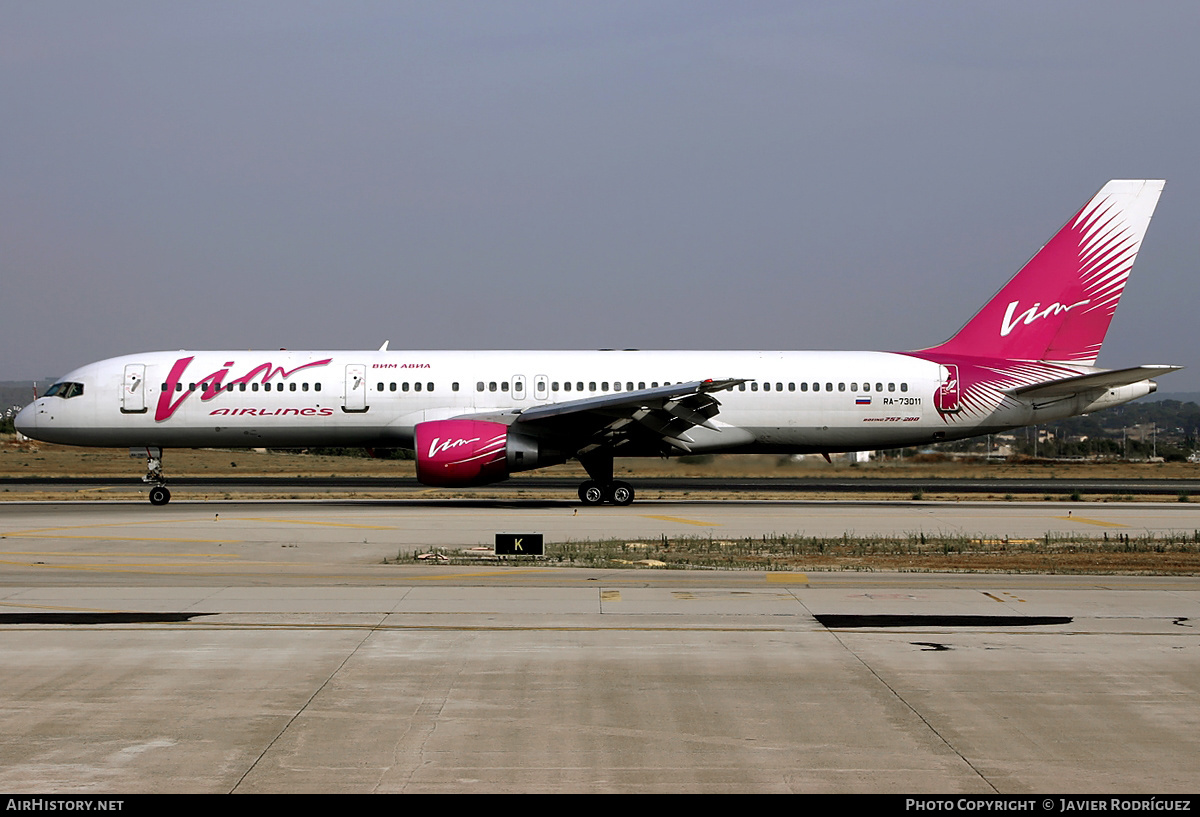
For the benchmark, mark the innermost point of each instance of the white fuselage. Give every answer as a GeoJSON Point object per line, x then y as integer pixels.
{"type": "Point", "coordinates": [474, 418]}
{"type": "Point", "coordinates": [793, 402]}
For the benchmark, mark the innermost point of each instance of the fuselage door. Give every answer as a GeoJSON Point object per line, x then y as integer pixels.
{"type": "Point", "coordinates": [518, 387]}
{"type": "Point", "coordinates": [541, 390]}
{"type": "Point", "coordinates": [133, 390]}
{"type": "Point", "coordinates": [946, 398]}
{"type": "Point", "coordinates": [356, 388]}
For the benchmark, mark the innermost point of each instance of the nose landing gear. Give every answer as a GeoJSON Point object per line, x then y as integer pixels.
{"type": "Point", "coordinates": [159, 494]}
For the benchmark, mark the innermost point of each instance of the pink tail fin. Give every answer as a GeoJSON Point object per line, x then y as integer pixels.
{"type": "Point", "coordinates": [1058, 307]}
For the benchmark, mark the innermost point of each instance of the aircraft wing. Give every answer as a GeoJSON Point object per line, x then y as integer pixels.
{"type": "Point", "coordinates": [659, 417]}
{"type": "Point", "coordinates": [1087, 382]}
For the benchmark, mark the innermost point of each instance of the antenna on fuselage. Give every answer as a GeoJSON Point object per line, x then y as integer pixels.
{"type": "Point", "coordinates": [383, 348]}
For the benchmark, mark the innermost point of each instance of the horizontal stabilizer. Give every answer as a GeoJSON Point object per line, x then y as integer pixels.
{"type": "Point", "coordinates": [1086, 382]}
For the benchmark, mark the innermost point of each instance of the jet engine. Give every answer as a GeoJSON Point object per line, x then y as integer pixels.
{"type": "Point", "coordinates": [459, 453]}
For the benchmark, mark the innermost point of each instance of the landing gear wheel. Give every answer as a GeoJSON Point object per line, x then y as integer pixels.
{"type": "Point", "coordinates": [620, 493]}
{"type": "Point", "coordinates": [591, 493]}
{"type": "Point", "coordinates": [159, 495]}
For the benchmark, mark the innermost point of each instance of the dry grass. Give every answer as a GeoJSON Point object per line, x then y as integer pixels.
{"type": "Point", "coordinates": [47, 460]}
{"type": "Point", "coordinates": [1151, 555]}
{"type": "Point", "coordinates": [1079, 555]}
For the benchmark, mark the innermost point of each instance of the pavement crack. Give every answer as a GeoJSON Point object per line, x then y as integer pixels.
{"type": "Point", "coordinates": [899, 697]}
{"type": "Point", "coordinates": [271, 744]}
{"type": "Point", "coordinates": [423, 723]}
{"type": "Point", "coordinates": [896, 694]}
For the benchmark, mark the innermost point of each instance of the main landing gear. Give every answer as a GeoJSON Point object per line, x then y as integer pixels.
{"type": "Point", "coordinates": [159, 495]}
{"type": "Point", "coordinates": [597, 493]}
{"type": "Point", "coordinates": [602, 488]}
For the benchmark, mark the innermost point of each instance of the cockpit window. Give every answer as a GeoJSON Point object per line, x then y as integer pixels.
{"type": "Point", "coordinates": [65, 390]}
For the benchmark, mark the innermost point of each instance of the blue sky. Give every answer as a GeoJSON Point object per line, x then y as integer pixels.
{"type": "Point", "coordinates": [851, 175]}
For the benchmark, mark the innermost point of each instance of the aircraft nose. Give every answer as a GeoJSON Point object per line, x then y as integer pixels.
{"type": "Point", "coordinates": [26, 420]}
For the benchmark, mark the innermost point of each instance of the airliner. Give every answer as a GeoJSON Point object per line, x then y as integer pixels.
{"type": "Point", "coordinates": [473, 418]}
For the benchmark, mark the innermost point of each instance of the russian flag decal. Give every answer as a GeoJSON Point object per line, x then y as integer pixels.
{"type": "Point", "coordinates": [862, 401]}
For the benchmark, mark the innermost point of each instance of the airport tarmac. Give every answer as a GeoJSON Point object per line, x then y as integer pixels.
{"type": "Point", "coordinates": [265, 647]}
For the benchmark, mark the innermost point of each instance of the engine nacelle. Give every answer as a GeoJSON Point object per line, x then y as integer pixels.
{"type": "Point", "coordinates": [460, 453]}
